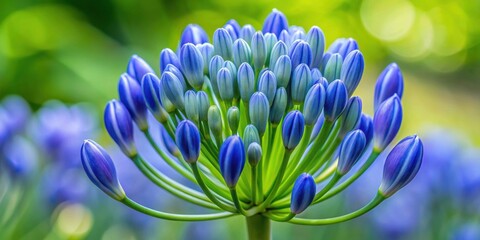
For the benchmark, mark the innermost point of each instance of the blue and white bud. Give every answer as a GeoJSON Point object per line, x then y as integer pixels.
{"type": "Point", "coordinates": [275, 23]}
{"type": "Point", "coordinates": [386, 122]}
{"type": "Point", "coordinates": [259, 110]}
{"type": "Point", "coordinates": [235, 26]}
{"type": "Point", "coordinates": [130, 93]}
{"type": "Point", "coordinates": [285, 37]}
{"type": "Point", "coordinates": [233, 118]}
{"type": "Point", "coordinates": [187, 138]}
{"type": "Point", "coordinates": [193, 34]}
{"type": "Point", "coordinates": [366, 125]}
{"type": "Point", "coordinates": [352, 115]}
{"type": "Point", "coordinates": [215, 64]}
{"type": "Point", "coordinates": [303, 193]}
{"type": "Point", "coordinates": [314, 102]}
{"type": "Point", "coordinates": [336, 45]}
{"type": "Point", "coordinates": [292, 129]}
{"type": "Point", "coordinates": [173, 89]}
{"type": "Point", "coordinates": [203, 104]}
{"type": "Point", "coordinates": [350, 151]}
{"type": "Point", "coordinates": [316, 75]}
{"type": "Point", "coordinates": [352, 70]}
{"type": "Point", "coordinates": [336, 101]}
{"type": "Point", "coordinates": [151, 94]}
{"type": "Point", "coordinates": [206, 50]}
{"type": "Point", "coordinates": [254, 154]}
{"type": "Point", "coordinates": [120, 127]}
{"type": "Point", "coordinates": [270, 41]}
{"type": "Point", "coordinates": [301, 82]}
{"type": "Point", "coordinates": [401, 165]}
{"type": "Point", "coordinates": [316, 40]}
{"type": "Point", "coordinates": [241, 52]}
{"type": "Point", "coordinates": [137, 68]}
{"type": "Point", "coordinates": [268, 85]}
{"type": "Point", "coordinates": [233, 71]}
{"type": "Point", "coordinates": [178, 73]}
{"type": "Point", "coordinates": [347, 46]}
{"type": "Point", "coordinates": [389, 83]}
{"type": "Point", "coordinates": [246, 33]}
{"type": "Point", "coordinates": [259, 50]}
{"type": "Point", "coordinates": [232, 31]}
{"type": "Point", "coordinates": [278, 50]}
{"type": "Point", "coordinates": [168, 142]}
{"type": "Point", "coordinates": [222, 42]}
{"type": "Point", "coordinates": [166, 103]}
{"type": "Point", "coordinates": [100, 169]}
{"type": "Point", "coordinates": [192, 65]}
{"type": "Point", "coordinates": [283, 70]}
{"type": "Point", "coordinates": [167, 56]}
{"type": "Point", "coordinates": [191, 106]}
{"type": "Point", "coordinates": [225, 84]}
{"type": "Point", "coordinates": [279, 106]}
{"type": "Point", "coordinates": [215, 121]}
{"type": "Point", "coordinates": [300, 52]}
{"type": "Point", "coordinates": [246, 81]}
{"type": "Point", "coordinates": [333, 68]}
{"type": "Point", "coordinates": [298, 35]}
{"type": "Point", "coordinates": [232, 160]}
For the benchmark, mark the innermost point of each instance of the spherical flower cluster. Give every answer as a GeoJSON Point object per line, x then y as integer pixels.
{"type": "Point", "coordinates": [255, 119]}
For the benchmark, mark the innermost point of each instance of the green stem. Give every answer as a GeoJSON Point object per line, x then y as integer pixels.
{"type": "Point", "coordinates": [278, 180]}
{"type": "Point", "coordinates": [259, 227]}
{"type": "Point", "coordinates": [236, 201]}
{"type": "Point", "coordinates": [175, 217]}
{"type": "Point", "coordinates": [372, 204]}
{"type": "Point", "coordinates": [254, 184]}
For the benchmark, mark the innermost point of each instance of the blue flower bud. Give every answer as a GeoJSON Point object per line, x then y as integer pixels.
{"type": "Point", "coordinates": [279, 106]}
{"type": "Point", "coordinates": [300, 52]}
{"type": "Point", "coordinates": [351, 116]}
{"type": "Point", "coordinates": [347, 46]}
{"type": "Point", "coordinates": [246, 81]}
{"type": "Point", "coordinates": [254, 153]}
{"type": "Point", "coordinates": [215, 121]}
{"type": "Point", "coordinates": [314, 102]}
{"type": "Point", "coordinates": [225, 84]}
{"type": "Point", "coordinates": [270, 41]}
{"type": "Point", "coordinates": [137, 67]}
{"type": "Point", "coordinates": [275, 23]}
{"type": "Point", "coordinates": [173, 89]}
{"type": "Point", "coordinates": [301, 81]}
{"type": "Point", "coordinates": [283, 70]}
{"type": "Point", "coordinates": [232, 160]}
{"type": "Point", "coordinates": [389, 82]}
{"type": "Point", "coordinates": [292, 129]}
{"type": "Point", "coordinates": [285, 37]}
{"type": "Point", "coordinates": [187, 138]}
{"type": "Point", "coordinates": [278, 50]}
{"type": "Point", "coordinates": [401, 165]}
{"type": "Point", "coordinates": [336, 45]}
{"type": "Point", "coordinates": [241, 52]}
{"type": "Point", "coordinates": [325, 58]}
{"type": "Point", "coordinates": [303, 193]}
{"type": "Point", "coordinates": [333, 68]}
{"type": "Point", "coordinates": [215, 64]}
{"type": "Point", "coordinates": [131, 96]}
{"type": "Point", "coordinates": [166, 103]}
{"type": "Point", "coordinates": [222, 42]}
{"type": "Point", "coordinates": [193, 34]}
{"type": "Point", "coordinates": [191, 106]}
{"type": "Point", "coordinates": [250, 135]}
{"type": "Point", "coordinates": [100, 169]}
{"type": "Point", "coordinates": [233, 117]}
{"type": "Point", "coordinates": [366, 125]}
{"type": "Point", "coordinates": [235, 26]}
{"type": "Point", "coordinates": [232, 31]}
{"type": "Point", "coordinates": [178, 73]}
{"type": "Point", "coordinates": [167, 56]}
{"type": "Point", "coordinates": [316, 75]}
{"type": "Point", "coordinates": [351, 149]}
{"type": "Point", "coordinates": [316, 40]}
{"type": "Point", "coordinates": [386, 122]}
{"type": "Point", "coordinates": [203, 104]}
{"type": "Point", "coordinates": [151, 94]}
{"type": "Point", "coordinates": [206, 50]}
{"type": "Point", "coordinates": [318, 126]}
{"type": "Point", "coordinates": [268, 85]}
{"type": "Point", "coordinates": [352, 70]}
{"type": "Point", "coordinates": [336, 100]}
{"type": "Point", "coordinates": [259, 109]}
{"type": "Point", "coordinates": [192, 65]}
{"type": "Point", "coordinates": [298, 35]}
{"type": "Point", "coordinates": [259, 50]}
{"type": "Point", "coordinates": [168, 142]}
{"type": "Point", "coordinates": [233, 71]}
{"type": "Point", "coordinates": [246, 33]}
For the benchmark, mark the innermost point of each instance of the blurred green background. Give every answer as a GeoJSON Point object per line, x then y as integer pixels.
{"type": "Point", "coordinates": [74, 51]}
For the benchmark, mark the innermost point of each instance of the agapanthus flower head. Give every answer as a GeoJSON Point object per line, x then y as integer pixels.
{"type": "Point", "coordinates": [273, 97]}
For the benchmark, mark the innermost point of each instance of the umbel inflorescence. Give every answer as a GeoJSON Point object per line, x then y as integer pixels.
{"type": "Point", "coordinates": [263, 121]}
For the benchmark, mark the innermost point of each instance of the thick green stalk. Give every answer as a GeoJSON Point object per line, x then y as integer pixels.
{"type": "Point", "coordinates": [259, 227]}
